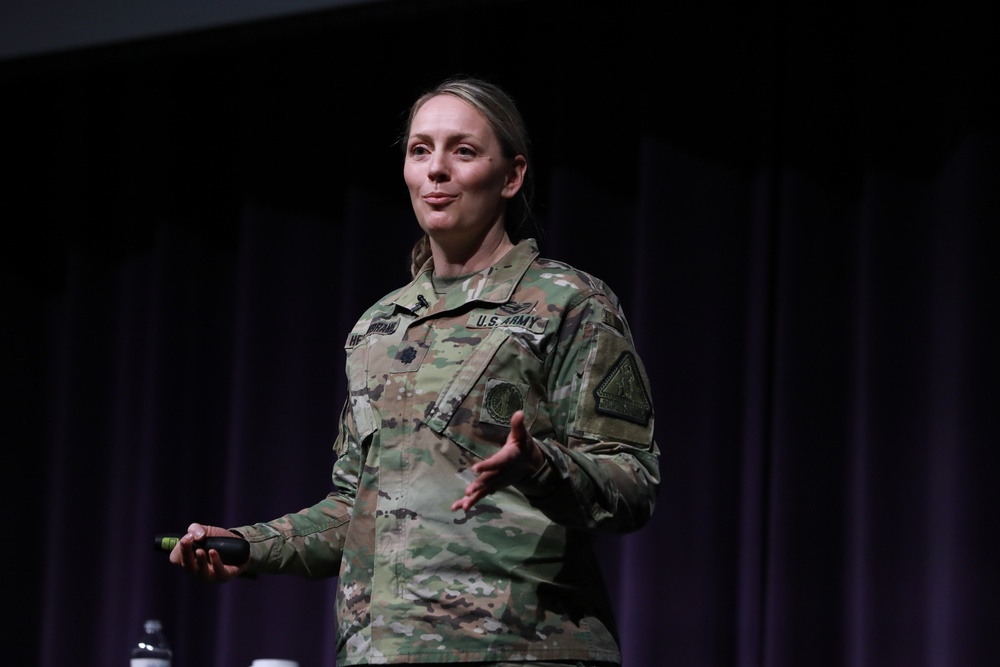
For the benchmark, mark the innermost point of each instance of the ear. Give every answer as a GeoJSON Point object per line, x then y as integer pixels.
{"type": "Point", "coordinates": [515, 177]}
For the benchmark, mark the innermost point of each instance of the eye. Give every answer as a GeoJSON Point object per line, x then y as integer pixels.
{"type": "Point", "coordinates": [418, 150]}
{"type": "Point", "coordinates": [466, 151]}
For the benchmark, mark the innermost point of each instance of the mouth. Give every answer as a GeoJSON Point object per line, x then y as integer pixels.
{"type": "Point", "coordinates": [438, 198]}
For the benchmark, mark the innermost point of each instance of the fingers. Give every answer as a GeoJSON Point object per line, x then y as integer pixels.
{"type": "Point", "coordinates": [507, 456]}
{"type": "Point", "coordinates": [183, 552]}
{"type": "Point", "coordinates": [206, 565]}
{"type": "Point", "coordinates": [197, 530]}
{"type": "Point", "coordinates": [517, 428]}
{"type": "Point", "coordinates": [477, 489]}
{"type": "Point", "coordinates": [217, 571]}
{"type": "Point", "coordinates": [515, 460]}
{"type": "Point", "coordinates": [494, 473]}
{"type": "Point", "coordinates": [472, 496]}
{"type": "Point", "coordinates": [189, 555]}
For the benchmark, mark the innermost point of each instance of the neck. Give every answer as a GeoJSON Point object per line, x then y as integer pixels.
{"type": "Point", "coordinates": [450, 261]}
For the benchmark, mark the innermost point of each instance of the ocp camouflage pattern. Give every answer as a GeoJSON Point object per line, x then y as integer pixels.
{"type": "Point", "coordinates": [433, 381]}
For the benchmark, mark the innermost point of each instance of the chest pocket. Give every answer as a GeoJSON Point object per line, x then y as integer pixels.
{"type": "Point", "coordinates": [465, 380]}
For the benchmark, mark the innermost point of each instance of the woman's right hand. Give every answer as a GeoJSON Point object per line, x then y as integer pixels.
{"type": "Point", "coordinates": [207, 566]}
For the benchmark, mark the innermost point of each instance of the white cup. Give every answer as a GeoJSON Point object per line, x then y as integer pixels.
{"type": "Point", "coordinates": [269, 662]}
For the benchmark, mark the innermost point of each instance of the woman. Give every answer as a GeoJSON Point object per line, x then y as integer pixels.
{"type": "Point", "coordinates": [498, 415]}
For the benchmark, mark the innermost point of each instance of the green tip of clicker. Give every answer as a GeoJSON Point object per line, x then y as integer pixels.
{"type": "Point", "coordinates": [165, 542]}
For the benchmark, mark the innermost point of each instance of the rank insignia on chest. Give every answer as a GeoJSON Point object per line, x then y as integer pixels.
{"type": "Point", "coordinates": [408, 358]}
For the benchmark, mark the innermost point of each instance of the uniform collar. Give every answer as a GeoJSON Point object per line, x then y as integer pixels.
{"type": "Point", "coordinates": [494, 284]}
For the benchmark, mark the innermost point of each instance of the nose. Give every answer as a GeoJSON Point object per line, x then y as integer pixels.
{"type": "Point", "coordinates": [438, 170]}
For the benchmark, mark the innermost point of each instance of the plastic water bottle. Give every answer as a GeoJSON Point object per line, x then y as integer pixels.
{"type": "Point", "coordinates": [152, 649]}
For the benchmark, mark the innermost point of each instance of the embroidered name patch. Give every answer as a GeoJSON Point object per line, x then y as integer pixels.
{"type": "Point", "coordinates": [353, 340]}
{"type": "Point", "coordinates": [621, 392]}
{"type": "Point", "coordinates": [532, 323]}
{"type": "Point", "coordinates": [381, 327]}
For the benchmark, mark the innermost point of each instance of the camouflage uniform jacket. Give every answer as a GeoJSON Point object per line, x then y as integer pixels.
{"type": "Point", "coordinates": [433, 382]}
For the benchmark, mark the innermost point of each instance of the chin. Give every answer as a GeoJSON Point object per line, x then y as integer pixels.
{"type": "Point", "coordinates": [438, 225]}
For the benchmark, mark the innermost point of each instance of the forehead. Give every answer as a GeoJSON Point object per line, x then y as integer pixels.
{"type": "Point", "coordinates": [451, 115]}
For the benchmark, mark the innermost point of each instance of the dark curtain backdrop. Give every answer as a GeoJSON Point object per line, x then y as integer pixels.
{"type": "Point", "coordinates": [798, 207]}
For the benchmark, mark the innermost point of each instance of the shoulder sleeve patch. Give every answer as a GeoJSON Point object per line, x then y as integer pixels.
{"type": "Point", "coordinates": [622, 393]}
{"type": "Point", "coordinates": [612, 400]}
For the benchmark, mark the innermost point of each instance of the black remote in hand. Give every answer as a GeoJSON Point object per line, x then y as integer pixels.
{"type": "Point", "coordinates": [233, 550]}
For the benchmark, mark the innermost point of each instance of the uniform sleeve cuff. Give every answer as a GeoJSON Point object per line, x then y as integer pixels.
{"type": "Point", "coordinates": [539, 483]}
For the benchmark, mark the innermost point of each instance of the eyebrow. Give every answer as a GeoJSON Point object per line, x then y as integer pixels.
{"type": "Point", "coordinates": [458, 137]}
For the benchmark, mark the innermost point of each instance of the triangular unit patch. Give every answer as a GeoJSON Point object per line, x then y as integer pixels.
{"type": "Point", "coordinates": [622, 393]}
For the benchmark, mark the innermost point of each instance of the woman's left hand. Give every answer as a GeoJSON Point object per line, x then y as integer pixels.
{"type": "Point", "coordinates": [517, 459]}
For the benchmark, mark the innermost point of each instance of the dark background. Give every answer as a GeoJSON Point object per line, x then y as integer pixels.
{"type": "Point", "coordinates": [43, 27]}
{"type": "Point", "coordinates": [797, 205]}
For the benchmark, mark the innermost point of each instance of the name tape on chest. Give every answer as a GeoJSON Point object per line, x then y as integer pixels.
{"type": "Point", "coordinates": [526, 322]}
{"type": "Point", "coordinates": [378, 328]}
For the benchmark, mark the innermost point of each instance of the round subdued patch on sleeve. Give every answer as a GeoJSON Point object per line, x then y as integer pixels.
{"type": "Point", "coordinates": [502, 399]}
